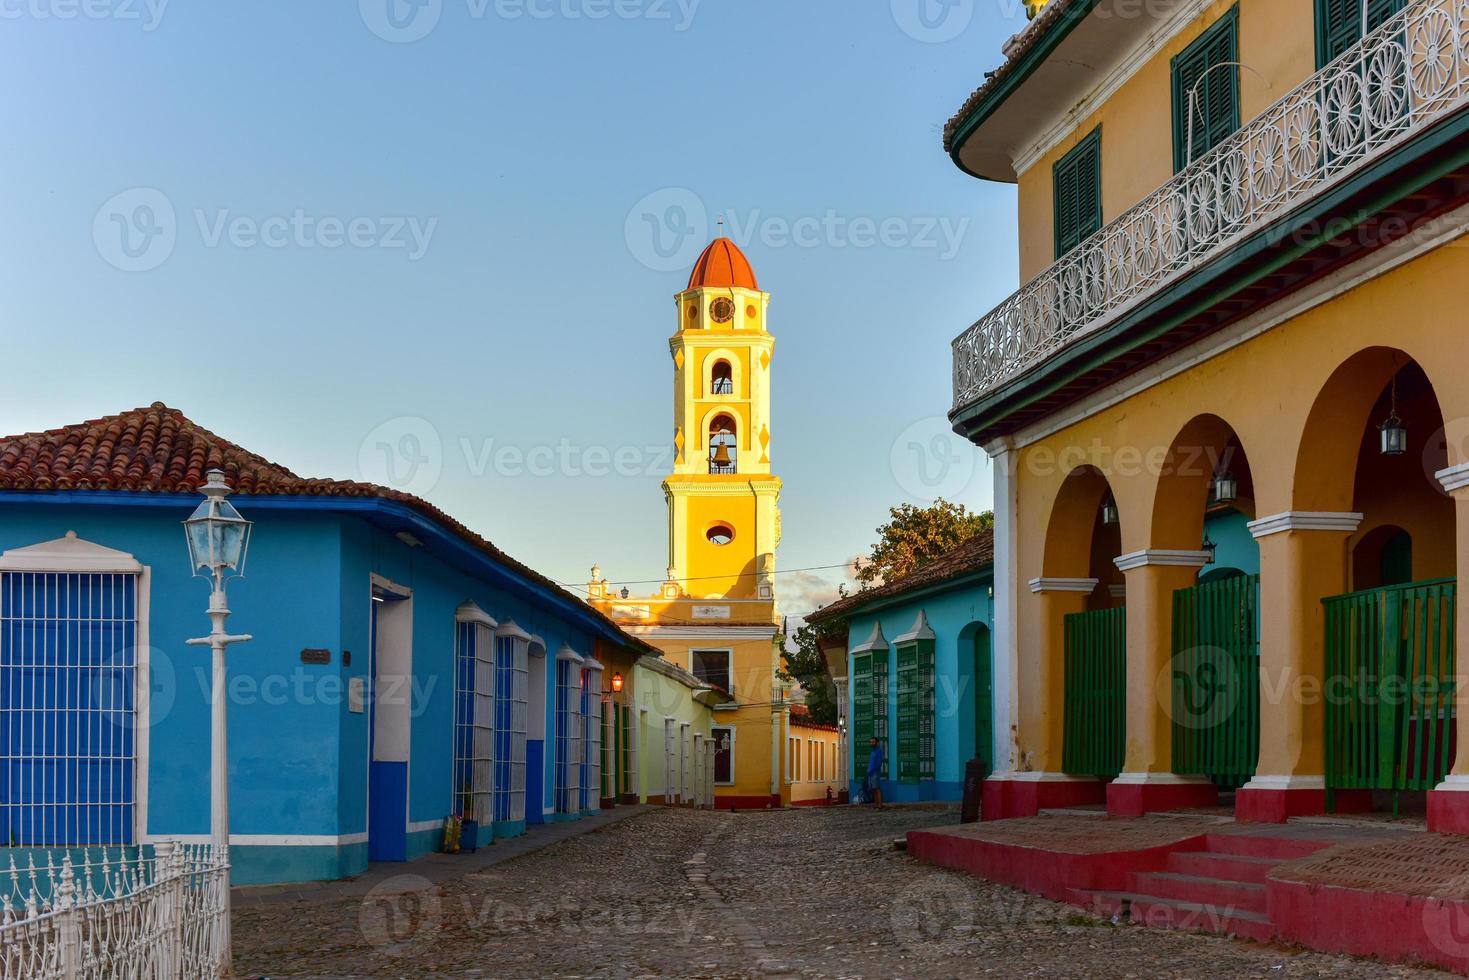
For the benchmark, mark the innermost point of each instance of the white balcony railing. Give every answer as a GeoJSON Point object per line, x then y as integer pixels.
{"type": "Point", "coordinates": [1410, 73]}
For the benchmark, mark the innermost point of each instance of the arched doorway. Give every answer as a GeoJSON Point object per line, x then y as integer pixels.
{"type": "Point", "coordinates": [1371, 447]}
{"type": "Point", "coordinates": [1086, 619]}
{"type": "Point", "coordinates": [1209, 687]}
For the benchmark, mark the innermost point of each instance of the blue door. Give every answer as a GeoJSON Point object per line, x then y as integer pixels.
{"type": "Point", "coordinates": [389, 656]}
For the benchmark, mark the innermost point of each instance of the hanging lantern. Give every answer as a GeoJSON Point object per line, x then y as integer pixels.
{"type": "Point", "coordinates": [626, 592]}
{"type": "Point", "coordinates": [1226, 488]}
{"type": "Point", "coordinates": [617, 683]}
{"type": "Point", "coordinates": [1109, 512]}
{"type": "Point", "coordinates": [1211, 549]}
{"type": "Point", "coordinates": [1392, 431]}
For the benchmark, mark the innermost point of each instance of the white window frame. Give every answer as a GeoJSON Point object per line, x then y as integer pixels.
{"type": "Point", "coordinates": [568, 732]}
{"type": "Point", "coordinates": [474, 627]}
{"type": "Point", "coordinates": [512, 721]}
{"type": "Point", "coordinates": [592, 737]}
{"type": "Point", "coordinates": [72, 555]}
{"type": "Point", "coordinates": [713, 732]}
{"type": "Point", "coordinates": [729, 660]}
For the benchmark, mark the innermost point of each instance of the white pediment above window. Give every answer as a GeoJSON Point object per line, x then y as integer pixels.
{"type": "Point", "coordinates": [68, 554]}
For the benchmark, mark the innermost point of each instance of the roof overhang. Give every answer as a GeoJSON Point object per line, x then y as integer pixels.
{"type": "Point", "coordinates": [1071, 53]}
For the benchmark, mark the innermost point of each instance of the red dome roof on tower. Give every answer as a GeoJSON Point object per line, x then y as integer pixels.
{"type": "Point", "coordinates": [722, 265]}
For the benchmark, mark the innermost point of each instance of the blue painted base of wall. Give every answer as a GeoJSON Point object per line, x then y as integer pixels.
{"type": "Point", "coordinates": [508, 828]}
{"type": "Point", "coordinates": [280, 864]}
{"type": "Point", "coordinates": [421, 842]}
{"type": "Point", "coordinates": [535, 776]}
{"type": "Point", "coordinates": [925, 792]}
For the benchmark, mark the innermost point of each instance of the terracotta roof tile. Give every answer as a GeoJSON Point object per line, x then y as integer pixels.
{"type": "Point", "coordinates": [157, 449]}
{"type": "Point", "coordinates": [973, 555]}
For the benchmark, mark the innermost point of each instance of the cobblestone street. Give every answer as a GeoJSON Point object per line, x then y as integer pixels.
{"type": "Point", "coordinates": [817, 892]}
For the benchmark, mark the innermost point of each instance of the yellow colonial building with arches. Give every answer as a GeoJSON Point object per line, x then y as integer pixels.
{"type": "Point", "coordinates": [1227, 410]}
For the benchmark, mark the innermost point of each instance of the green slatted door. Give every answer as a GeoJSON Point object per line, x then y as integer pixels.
{"type": "Point", "coordinates": [1213, 115]}
{"type": "Point", "coordinates": [916, 717]}
{"type": "Point", "coordinates": [861, 713]}
{"type": "Point", "coordinates": [1216, 680]}
{"type": "Point", "coordinates": [1390, 687]}
{"type": "Point", "coordinates": [1095, 738]}
{"type": "Point", "coordinates": [1077, 189]}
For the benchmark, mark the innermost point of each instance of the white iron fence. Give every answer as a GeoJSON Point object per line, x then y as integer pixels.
{"type": "Point", "coordinates": [100, 915]}
{"type": "Point", "coordinates": [1401, 79]}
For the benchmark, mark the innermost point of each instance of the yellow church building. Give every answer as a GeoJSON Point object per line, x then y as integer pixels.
{"type": "Point", "coordinates": [1227, 408]}
{"type": "Point", "coordinates": [716, 614]}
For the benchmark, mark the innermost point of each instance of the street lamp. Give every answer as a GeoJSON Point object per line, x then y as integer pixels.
{"type": "Point", "coordinates": [218, 538]}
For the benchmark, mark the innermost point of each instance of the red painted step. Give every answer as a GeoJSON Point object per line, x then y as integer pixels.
{"type": "Point", "coordinates": [1251, 845]}
{"type": "Point", "coordinates": [1164, 913]}
{"type": "Point", "coordinates": [1236, 896]}
{"type": "Point", "coordinates": [1225, 867]}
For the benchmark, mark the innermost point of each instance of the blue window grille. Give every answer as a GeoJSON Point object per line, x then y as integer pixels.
{"type": "Point", "coordinates": [512, 715]}
{"type": "Point", "coordinates": [68, 708]}
{"type": "Point", "coordinates": [474, 718]}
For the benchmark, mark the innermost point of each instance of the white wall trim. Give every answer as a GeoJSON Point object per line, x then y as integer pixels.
{"type": "Point", "coordinates": [1182, 15]}
{"type": "Point", "coordinates": [1117, 590]}
{"type": "Point", "coordinates": [1080, 585]}
{"type": "Point", "coordinates": [702, 632]}
{"type": "Point", "coordinates": [511, 628]}
{"type": "Point", "coordinates": [70, 554]}
{"type": "Point", "coordinates": [267, 840]}
{"type": "Point", "coordinates": [1162, 556]}
{"type": "Point", "coordinates": [469, 612]}
{"type": "Point", "coordinates": [388, 585]}
{"type": "Point", "coordinates": [920, 630]}
{"type": "Point", "coordinates": [874, 641]}
{"type": "Point", "coordinates": [1454, 477]}
{"type": "Point", "coordinates": [566, 653]}
{"type": "Point", "coordinates": [1279, 783]}
{"type": "Point", "coordinates": [1004, 650]}
{"type": "Point", "coordinates": [419, 826]}
{"type": "Point", "coordinates": [1305, 520]}
{"type": "Point", "coordinates": [1159, 779]}
{"type": "Point", "coordinates": [1420, 241]}
{"type": "Point", "coordinates": [1047, 777]}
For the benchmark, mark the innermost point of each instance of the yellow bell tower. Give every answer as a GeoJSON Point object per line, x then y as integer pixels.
{"type": "Point", "coordinates": [723, 513]}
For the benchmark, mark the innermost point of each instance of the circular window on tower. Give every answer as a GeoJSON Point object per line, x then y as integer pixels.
{"type": "Point", "coordinates": [720, 535]}
{"type": "Point", "coordinates": [722, 310]}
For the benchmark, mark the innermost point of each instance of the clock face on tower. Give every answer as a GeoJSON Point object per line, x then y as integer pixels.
{"type": "Point", "coordinates": [722, 310]}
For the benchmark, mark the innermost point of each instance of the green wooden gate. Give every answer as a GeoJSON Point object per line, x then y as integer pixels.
{"type": "Point", "coordinates": [1390, 687]}
{"type": "Point", "coordinates": [1216, 680]}
{"type": "Point", "coordinates": [869, 709]}
{"type": "Point", "coordinates": [1095, 739]}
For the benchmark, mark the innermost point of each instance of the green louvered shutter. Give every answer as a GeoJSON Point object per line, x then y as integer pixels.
{"type": "Point", "coordinates": [1339, 24]}
{"type": "Point", "coordinates": [1215, 115]}
{"type": "Point", "coordinates": [1077, 182]}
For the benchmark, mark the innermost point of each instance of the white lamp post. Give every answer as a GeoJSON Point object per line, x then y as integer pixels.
{"type": "Point", "coordinates": [218, 537]}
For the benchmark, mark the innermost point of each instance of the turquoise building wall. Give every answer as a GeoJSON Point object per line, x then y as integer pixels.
{"type": "Point", "coordinates": [954, 612]}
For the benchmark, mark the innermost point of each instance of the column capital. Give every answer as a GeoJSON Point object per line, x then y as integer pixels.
{"type": "Point", "coordinates": [1082, 585]}
{"type": "Point", "coordinates": [1162, 556]}
{"type": "Point", "coordinates": [1454, 477]}
{"type": "Point", "coordinates": [1305, 520]}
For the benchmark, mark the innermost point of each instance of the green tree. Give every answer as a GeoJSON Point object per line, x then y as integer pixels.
{"type": "Point", "coordinates": [806, 665]}
{"type": "Point", "coordinates": [915, 536]}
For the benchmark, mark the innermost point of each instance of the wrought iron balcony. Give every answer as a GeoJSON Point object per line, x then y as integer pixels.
{"type": "Point", "coordinates": [1396, 83]}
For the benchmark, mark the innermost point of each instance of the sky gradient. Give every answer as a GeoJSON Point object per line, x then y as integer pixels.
{"type": "Point", "coordinates": [436, 244]}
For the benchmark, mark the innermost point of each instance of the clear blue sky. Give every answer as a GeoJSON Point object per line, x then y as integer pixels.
{"type": "Point", "coordinates": [307, 229]}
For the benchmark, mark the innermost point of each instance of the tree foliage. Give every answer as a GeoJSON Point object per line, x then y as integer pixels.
{"type": "Point", "coordinates": [915, 536]}
{"type": "Point", "coordinates": [806, 665]}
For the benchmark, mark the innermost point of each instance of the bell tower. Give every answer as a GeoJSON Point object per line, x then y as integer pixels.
{"type": "Point", "coordinates": [723, 515]}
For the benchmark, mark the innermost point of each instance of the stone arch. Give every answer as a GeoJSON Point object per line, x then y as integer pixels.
{"type": "Point", "coordinates": [1204, 447]}
{"type": "Point", "coordinates": [736, 371]}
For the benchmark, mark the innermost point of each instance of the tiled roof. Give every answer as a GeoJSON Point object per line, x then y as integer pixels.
{"type": "Point", "coordinates": [973, 555]}
{"type": "Point", "coordinates": [722, 265]}
{"type": "Point", "coordinates": [1027, 39]}
{"type": "Point", "coordinates": [801, 718]}
{"type": "Point", "coordinates": [157, 449]}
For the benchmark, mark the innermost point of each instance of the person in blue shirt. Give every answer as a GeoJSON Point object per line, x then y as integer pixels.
{"type": "Point", "coordinates": [874, 774]}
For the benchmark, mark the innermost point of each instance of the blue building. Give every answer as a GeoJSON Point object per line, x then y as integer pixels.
{"type": "Point", "coordinates": [913, 668]}
{"type": "Point", "coordinates": [402, 668]}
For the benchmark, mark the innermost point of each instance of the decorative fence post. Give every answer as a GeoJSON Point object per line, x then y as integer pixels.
{"type": "Point", "coordinates": [68, 924]}
{"type": "Point", "coordinates": [168, 873]}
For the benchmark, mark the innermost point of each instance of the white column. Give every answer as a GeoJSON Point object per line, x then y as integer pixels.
{"type": "Point", "coordinates": [1003, 459]}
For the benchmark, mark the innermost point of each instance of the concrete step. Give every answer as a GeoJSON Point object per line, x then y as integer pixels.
{"type": "Point", "coordinates": [1252, 845]}
{"type": "Point", "coordinates": [1216, 892]}
{"type": "Point", "coordinates": [1223, 867]}
{"type": "Point", "coordinates": [1165, 913]}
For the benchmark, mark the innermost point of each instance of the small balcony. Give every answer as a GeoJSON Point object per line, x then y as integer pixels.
{"type": "Point", "coordinates": [1397, 84]}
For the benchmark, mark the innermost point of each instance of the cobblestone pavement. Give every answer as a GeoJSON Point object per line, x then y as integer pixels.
{"type": "Point", "coordinates": [816, 892]}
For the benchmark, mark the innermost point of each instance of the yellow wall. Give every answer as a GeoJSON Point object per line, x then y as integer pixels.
{"type": "Point", "coordinates": [1277, 39]}
{"type": "Point", "coordinates": [1299, 397]}
{"type": "Point", "coordinates": [819, 766]}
